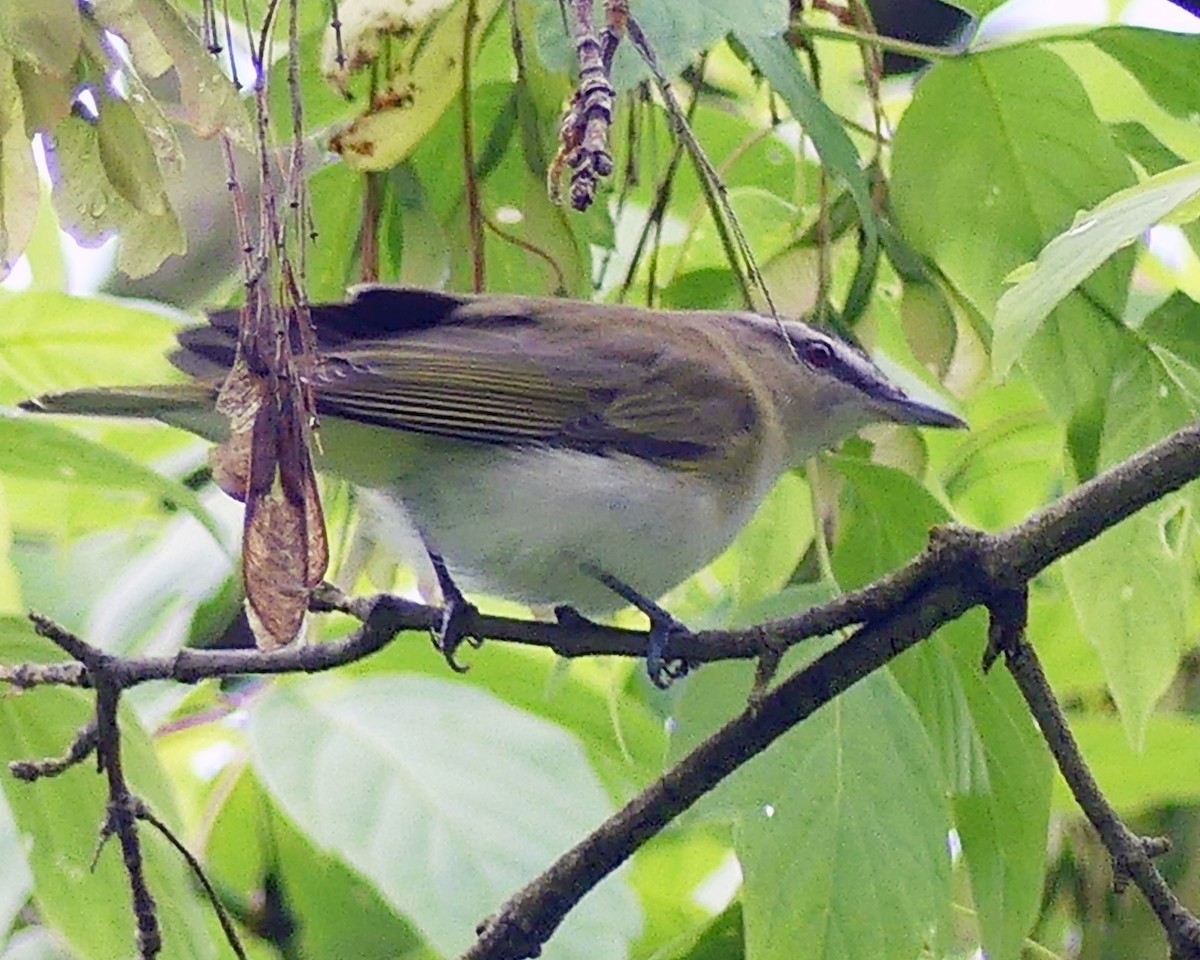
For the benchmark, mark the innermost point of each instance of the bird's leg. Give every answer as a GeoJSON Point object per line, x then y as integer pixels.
{"type": "Point", "coordinates": [457, 615]}
{"type": "Point", "coordinates": [663, 629]}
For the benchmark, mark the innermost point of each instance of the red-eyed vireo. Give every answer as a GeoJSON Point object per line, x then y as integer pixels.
{"type": "Point", "coordinates": [552, 451]}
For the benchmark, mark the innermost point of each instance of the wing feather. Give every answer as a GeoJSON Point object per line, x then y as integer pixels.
{"type": "Point", "coordinates": [513, 370]}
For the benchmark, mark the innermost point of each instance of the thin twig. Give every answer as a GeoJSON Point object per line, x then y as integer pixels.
{"type": "Point", "coordinates": [83, 745]}
{"type": "Point", "coordinates": [231, 935]}
{"type": "Point", "coordinates": [474, 207]}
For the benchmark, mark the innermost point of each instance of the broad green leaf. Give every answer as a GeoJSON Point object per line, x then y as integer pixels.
{"type": "Point", "coordinates": [1117, 96]}
{"type": "Point", "coordinates": [721, 939]}
{"type": "Point", "coordinates": [801, 812]}
{"type": "Point", "coordinates": [811, 856]}
{"type": "Point", "coordinates": [1073, 255]}
{"type": "Point", "coordinates": [1157, 386]}
{"type": "Point", "coordinates": [839, 156]}
{"type": "Point", "coordinates": [445, 798]}
{"type": "Point", "coordinates": [92, 209]}
{"type": "Point", "coordinates": [339, 913]}
{"type": "Point", "coordinates": [1129, 587]}
{"type": "Point", "coordinates": [1166, 771]}
{"type": "Point", "coordinates": [929, 325]}
{"type": "Point", "coordinates": [1069, 659]}
{"type": "Point", "coordinates": [994, 764]}
{"type": "Point", "coordinates": [996, 154]}
{"type": "Point", "coordinates": [1167, 64]}
{"type": "Point", "coordinates": [1131, 592]}
{"type": "Point", "coordinates": [773, 221]}
{"type": "Point", "coordinates": [58, 819]}
{"type": "Point", "coordinates": [624, 739]}
{"type": "Point", "coordinates": [887, 518]}
{"type": "Point", "coordinates": [1002, 821]}
{"type": "Point", "coordinates": [1005, 469]}
{"type": "Point", "coordinates": [52, 341]}
{"type": "Point", "coordinates": [668, 876]}
{"type": "Point", "coordinates": [11, 601]}
{"type": "Point", "coordinates": [43, 451]}
{"type": "Point", "coordinates": [979, 8]}
{"type": "Point", "coordinates": [1141, 144]}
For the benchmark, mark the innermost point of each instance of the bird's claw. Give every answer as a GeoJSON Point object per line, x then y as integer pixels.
{"type": "Point", "coordinates": [456, 626]}
{"type": "Point", "coordinates": [663, 630]}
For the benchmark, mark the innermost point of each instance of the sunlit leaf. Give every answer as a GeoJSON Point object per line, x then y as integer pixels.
{"type": "Point", "coordinates": [1073, 255]}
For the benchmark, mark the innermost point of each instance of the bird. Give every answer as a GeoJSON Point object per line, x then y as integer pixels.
{"type": "Point", "coordinates": [560, 453]}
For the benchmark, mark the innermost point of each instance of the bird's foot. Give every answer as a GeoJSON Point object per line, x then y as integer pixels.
{"type": "Point", "coordinates": [457, 621]}
{"type": "Point", "coordinates": [662, 669]}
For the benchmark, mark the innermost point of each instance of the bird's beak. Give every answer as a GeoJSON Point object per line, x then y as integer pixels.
{"type": "Point", "coordinates": [904, 409]}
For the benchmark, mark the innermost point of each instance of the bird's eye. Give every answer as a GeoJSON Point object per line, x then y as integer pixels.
{"type": "Point", "coordinates": [817, 353]}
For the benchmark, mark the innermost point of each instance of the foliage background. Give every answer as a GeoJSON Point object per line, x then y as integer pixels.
{"type": "Point", "coordinates": [383, 811]}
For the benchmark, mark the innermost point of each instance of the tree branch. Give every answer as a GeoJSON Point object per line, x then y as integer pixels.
{"type": "Point", "coordinates": [959, 570]}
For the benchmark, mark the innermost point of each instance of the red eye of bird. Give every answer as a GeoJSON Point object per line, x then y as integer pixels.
{"type": "Point", "coordinates": [817, 353]}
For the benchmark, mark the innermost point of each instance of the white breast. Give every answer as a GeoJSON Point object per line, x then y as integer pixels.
{"type": "Point", "coordinates": [525, 524]}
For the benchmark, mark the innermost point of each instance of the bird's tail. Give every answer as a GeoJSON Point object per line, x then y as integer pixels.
{"type": "Point", "coordinates": [187, 405]}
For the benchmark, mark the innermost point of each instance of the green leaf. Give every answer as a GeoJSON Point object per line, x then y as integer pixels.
{"type": "Point", "coordinates": [10, 582]}
{"type": "Point", "coordinates": [1156, 389]}
{"type": "Point", "coordinates": [1164, 772]}
{"type": "Point", "coordinates": [211, 104]}
{"type": "Point", "coordinates": [1073, 255]}
{"type": "Point", "coordinates": [1167, 64]}
{"type": "Point", "coordinates": [767, 551]}
{"type": "Point", "coordinates": [811, 816]}
{"type": "Point", "coordinates": [1141, 144]}
{"type": "Point", "coordinates": [996, 154]}
{"type": "Point", "coordinates": [45, 33]}
{"type": "Point", "coordinates": [624, 738]}
{"type": "Point", "coordinates": [43, 451]}
{"type": "Point", "coordinates": [19, 188]}
{"type": "Point", "coordinates": [677, 863]}
{"type": "Point", "coordinates": [445, 798]}
{"type": "Point", "coordinates": [52, 341]}
{"type": "Point", "coordinates": [1131, 592]}
{"type": "Point", "coordinates": [979, 8]}
{"type": "Point", "coordinates": [854, 786]}
{"type": "Point", "coordinates": [839, 156]}
{"type": "Point", "coordinates": [128, 158]}
{"type": "Point", "coordinates": [59, 817]}
{"type": "Point", "coordinates": [887, 518]}
{"type": "Point", "coordinates": [720, 939]}
{"type": "Point", "coordinates": [1004, 469]}
{"type": "Point", "coordinates": [341, 914]}
{"type": "Point", "coordinates": [91, 208]}
{"type": "Point", "coordinates": [992, 759]}
{"type": "Point", "coordinates": [1003, 819]}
